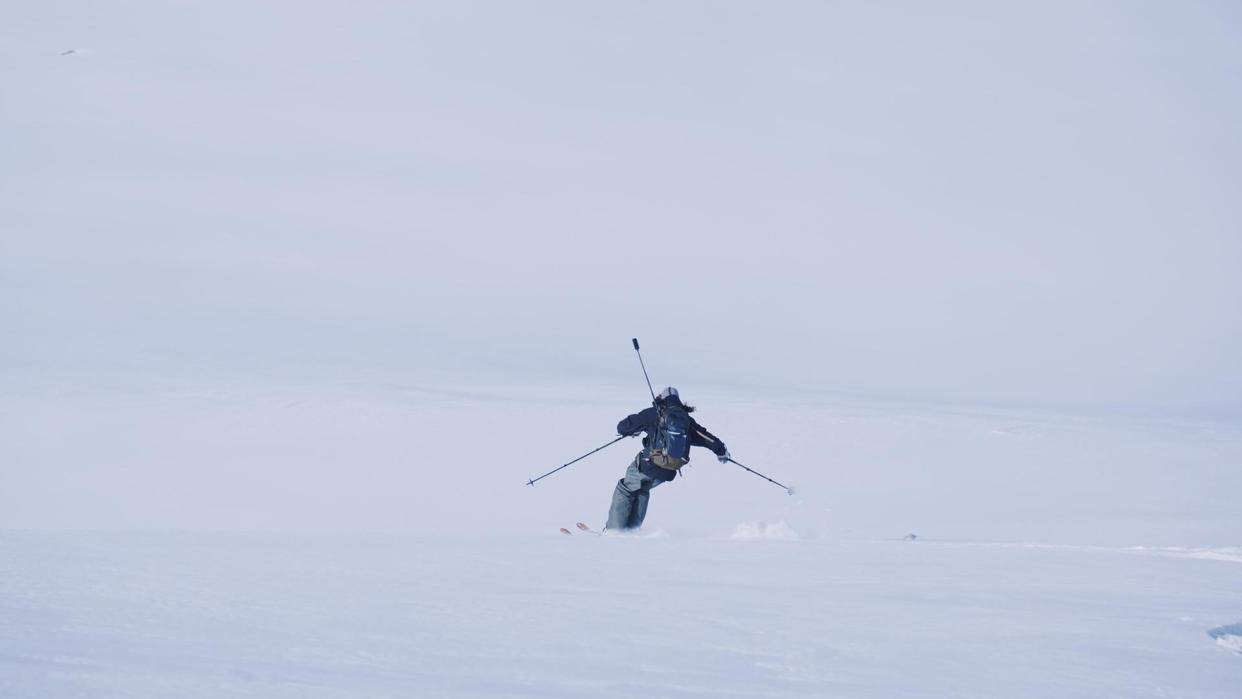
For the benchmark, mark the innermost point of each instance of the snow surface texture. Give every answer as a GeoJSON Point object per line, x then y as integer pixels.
{"type": "Point", "coordinates": [1076, 557]}
{"type": "Point", "coordinates": [775, 531]}
{"type": "Point", "coordinates": [208, 615]}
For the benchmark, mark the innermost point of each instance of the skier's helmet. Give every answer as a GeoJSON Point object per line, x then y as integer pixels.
{"type": "Point", "coordinates": [668, 392]}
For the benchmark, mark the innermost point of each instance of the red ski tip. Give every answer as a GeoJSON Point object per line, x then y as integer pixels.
{"type": "Point", "coordinates": [566, 531]}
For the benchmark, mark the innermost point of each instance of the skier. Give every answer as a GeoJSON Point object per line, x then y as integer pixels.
{"type": "Point", "coordinates": [670, 432]}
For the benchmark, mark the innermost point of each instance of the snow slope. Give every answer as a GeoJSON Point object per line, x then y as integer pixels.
{"type": "Point", "coordinates": [296, 296]}
{"type": "Point", "coordinates": [208, 615]}
{"type": "Point", "coordinates": [1056, 556]}
{"type": "Point", "coordinates": [393, 454]}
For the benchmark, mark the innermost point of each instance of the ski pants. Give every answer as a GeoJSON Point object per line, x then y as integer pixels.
{"type": "Point", "coordinates": [629, 500]}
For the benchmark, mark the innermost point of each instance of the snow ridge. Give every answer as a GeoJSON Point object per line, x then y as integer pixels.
{"type": "Point", "coordinates": [771, 531]}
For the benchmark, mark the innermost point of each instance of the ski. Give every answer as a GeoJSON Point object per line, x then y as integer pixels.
{"type": "Point", "coordinates": [586, 528]}
{"type": "Point", "coordinates": [566, 532]}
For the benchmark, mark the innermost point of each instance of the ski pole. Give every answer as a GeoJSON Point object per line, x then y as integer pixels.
{"type": "Point", "coordinates": [580, 458]}
{"type": "Point", "coordinates": [644, 366]}
{"type": "Point", "coordinates": [787, 488]}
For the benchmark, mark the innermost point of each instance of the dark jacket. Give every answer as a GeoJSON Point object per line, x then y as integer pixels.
{"type": "Point", "coordinates": [648, 420]}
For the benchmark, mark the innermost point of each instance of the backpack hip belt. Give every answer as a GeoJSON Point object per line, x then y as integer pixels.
{"type": "Point", "coordinates": [664, 461]}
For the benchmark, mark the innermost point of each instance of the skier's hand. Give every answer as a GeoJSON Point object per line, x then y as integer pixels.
{"type": "Point", "coordinates": [724, 458]}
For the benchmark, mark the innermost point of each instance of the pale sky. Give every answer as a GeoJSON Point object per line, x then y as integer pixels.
{"type": "Point", "coordinates": [961, 202]}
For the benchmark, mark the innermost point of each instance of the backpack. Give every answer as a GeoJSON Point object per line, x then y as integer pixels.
{"type": "Point", "coordinates": [670, 445]}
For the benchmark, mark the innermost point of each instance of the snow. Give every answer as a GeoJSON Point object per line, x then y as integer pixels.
{"type": "Point", "coordinates": [297, 297]}
{"type": "Point", "coordinates": [1090, 557]}
{"type": "Point", "coordinates": [771, 531]}
{"type": "Point", "coordinates": [286, 615]}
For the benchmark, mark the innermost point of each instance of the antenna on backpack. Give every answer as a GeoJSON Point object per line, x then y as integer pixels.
{"type": "Point", "coordinates": [644, 366]}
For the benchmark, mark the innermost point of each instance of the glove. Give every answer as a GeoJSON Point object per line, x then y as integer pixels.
{"type": "Point", "coordinates": [724, 458]}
